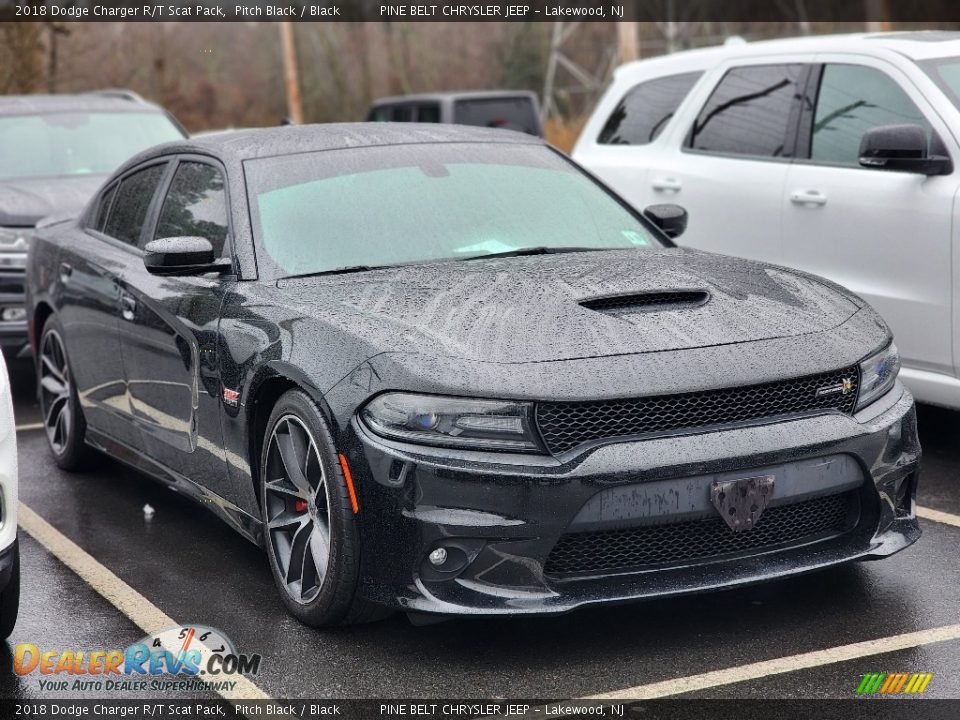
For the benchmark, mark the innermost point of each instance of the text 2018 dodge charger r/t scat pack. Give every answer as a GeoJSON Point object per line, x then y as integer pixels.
{"type": "Point", "coordinates": [441, 369]}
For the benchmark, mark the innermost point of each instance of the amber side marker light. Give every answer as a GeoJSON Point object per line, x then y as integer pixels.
{"type": "Point", "coordinates": [349, 478]}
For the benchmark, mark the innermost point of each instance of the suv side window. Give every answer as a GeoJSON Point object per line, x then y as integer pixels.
{"type": "Point", "coordinates": [195, 205]}
{"type": "Point", "coordinates": [852, 99]}
{"type": "Point", "coordinates": [644, 111]}
{"type": "Point", "coordinates": [749, 112]}
{"type": "Point", "coordinates": [402, 113]}
{"type": "Point", "coordinates": [129, 209]}
{"type": "Point", "coordinates": [428, 113]}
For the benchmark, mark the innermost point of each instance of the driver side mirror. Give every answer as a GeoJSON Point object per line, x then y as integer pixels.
{"type": "Point", "coordinates": [181, 256]}
{"type": "Point", "coordinates": [670, 219]}
{"type": "Point", "coordinates": [903, 148]}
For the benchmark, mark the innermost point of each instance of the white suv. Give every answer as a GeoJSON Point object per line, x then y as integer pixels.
{"type": "Point", "coordinates": [836, 155]}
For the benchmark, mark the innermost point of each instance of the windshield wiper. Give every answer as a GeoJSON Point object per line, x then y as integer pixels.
{"type": "Point", "coordinates": [539, 250]}
{"type": "Point", "coordinates": [338, 271]}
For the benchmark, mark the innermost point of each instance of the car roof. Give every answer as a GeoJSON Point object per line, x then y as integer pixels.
{"type": "Point", "coordinates": [916, 45]}
{"type": "Point", "coordinates": [100, 101]}
{"type": "Point", "coordinates": [455, 95]}
{"type": "Point", "coordinates": [296, 139]}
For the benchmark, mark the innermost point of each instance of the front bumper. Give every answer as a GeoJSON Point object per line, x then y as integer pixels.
{"type": "Point", "coordinates": [499, 516]}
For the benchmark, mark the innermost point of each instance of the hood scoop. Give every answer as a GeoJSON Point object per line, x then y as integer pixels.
{"type": "Point", "coordinates": [647, 302]}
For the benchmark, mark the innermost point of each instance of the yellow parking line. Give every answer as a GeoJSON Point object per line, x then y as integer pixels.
{"type": "Point", "coordinates": [938, 516]}
{"type": "Point", "coordinates": [147, 616]}
{"type": "Point", "coordinates": [790, 663]}
{"type": "Point", "coordinates": [29, 426]}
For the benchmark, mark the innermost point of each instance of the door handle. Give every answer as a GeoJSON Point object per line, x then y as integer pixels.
{"type": "Point", "coordinates": [66, 271]}
{"type": "Point", "coordinates": [666, 184]}
{"type": "Point", "coordinates": [128, 307]}
{"type": "Point", "coordinates": [808, 197]}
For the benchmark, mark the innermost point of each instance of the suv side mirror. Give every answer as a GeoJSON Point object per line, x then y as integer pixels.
{"type": "Point", "coordinates": [181, 256]}
{"type": "Point", "coordinates": [671, 219]}
{"type": "Point", "coordinates": [904, 148]}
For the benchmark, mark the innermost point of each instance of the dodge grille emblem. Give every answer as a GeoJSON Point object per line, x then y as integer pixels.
{"type": "Point", "coordinates": [741, 502]}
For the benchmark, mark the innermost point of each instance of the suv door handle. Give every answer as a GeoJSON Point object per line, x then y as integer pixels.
{"type": "Point", "coordinates": [666, 184]}
{"type": "Point", "coordinates": [808, 197]}
{"type": "Point", "coordinates": [128, 306]}
{"type": "Point", "coordinates": [65, 272]}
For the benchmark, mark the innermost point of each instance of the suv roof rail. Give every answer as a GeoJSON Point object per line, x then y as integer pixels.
{"type": "Point", "coordinates": [118, 93]}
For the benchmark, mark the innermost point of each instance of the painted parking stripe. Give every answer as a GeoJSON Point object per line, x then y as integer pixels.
{"type": "Point", "coordinates": [938, 516]}
{"type": "Point", "coordinates": [143, 613]}
{"type": "Point", "coordinates": [778, 666]}
{"type": "Point", "coordinates": [29, 426]}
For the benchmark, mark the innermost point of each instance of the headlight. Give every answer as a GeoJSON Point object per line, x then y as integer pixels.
{"type": "Point", "coordinates": [877, 375]}
{"type": "Point", "coordinates": [13, 248]}
{"type": "Point", "coordinates": [453, 422]}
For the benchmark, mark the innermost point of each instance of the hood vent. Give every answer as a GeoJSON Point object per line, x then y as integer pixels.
{"type": "Point", "coordinates": [647, 302]}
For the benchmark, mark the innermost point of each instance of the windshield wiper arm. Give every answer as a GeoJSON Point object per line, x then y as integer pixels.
{"type": "Point", "coordinates": [539, 250]}
{"type": "Point", "coordinates": [338, 271]}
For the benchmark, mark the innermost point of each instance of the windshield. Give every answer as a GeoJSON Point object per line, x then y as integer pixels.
{"type": "Point", "coordinates": [374, 206]}
{"type": "Point", "coordinates": [63, 144]}
{"type": "Point", "coordinates": [945, 72]}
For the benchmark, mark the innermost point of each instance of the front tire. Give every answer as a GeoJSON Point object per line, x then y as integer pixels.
{"type": "Point", "coordinates": [310, 530]}
{"type": "Point", "coordinates": [59, 404]}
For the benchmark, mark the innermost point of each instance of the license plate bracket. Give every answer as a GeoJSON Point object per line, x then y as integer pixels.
{"type": "Point", "coordinates": [742, 501]}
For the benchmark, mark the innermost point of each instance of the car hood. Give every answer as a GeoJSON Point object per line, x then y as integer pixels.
{"type": "Point", "coordinates": [23, 202]}
{"type": "Point", "coordinates": [530, 309]}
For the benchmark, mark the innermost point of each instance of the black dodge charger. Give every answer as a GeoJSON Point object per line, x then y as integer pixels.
{"type": "Point", "coordinates": [444, 370]}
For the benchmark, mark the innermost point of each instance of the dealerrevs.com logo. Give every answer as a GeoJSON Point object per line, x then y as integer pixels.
{"type": "Point", "coordinates": [181, 658]}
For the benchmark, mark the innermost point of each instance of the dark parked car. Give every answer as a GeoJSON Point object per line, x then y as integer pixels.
{"type": "Point", "coordinates": [55, 151]}
{"type": "Point", "coordinates": [443, 370]}
{"type": "Point", "coordinates": [505, 109]}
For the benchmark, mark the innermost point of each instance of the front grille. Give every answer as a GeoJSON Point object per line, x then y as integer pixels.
{"type": "Point", "coordinates": [12, 283]}
{"type": "Point", "coordinates": [699, 540]}
{"type": "Point", "coordinates": [646, 302]}
{"type": "Point", "coordinates": [565, 425]}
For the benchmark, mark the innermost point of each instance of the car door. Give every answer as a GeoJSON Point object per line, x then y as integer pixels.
{"type": "Point", "coordinates": [728, 164]}
{"type": "Point", "coordinates": [884, 235]}
{"type": "Point", "coordinates": [90, 273]}
{"type": "Point", "coordinates": [168, 330]}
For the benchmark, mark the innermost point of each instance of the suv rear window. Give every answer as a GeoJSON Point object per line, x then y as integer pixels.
{"type": "Point", "coordinates": [644, 111]}
{"type": "Point", "coordinates": [510, 113]}
{"type": "Point", "coordinates": [749, 112]}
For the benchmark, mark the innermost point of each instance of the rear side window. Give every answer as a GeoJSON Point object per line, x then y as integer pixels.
{"type": "Point", "coordinates": [646, 109]}
{"type": "Point", "coordinates": [129, 209]}
{"type": "Point", "coordinates": [196, 205]}
{"type": "Point", "coordinates": [428, 114]}
{"type": "Point", "coordinates": [749, 112]}
{"type": "Point", "coordinates": [853, 99]}
{"type": "Point", "coordinates": [510, 113]}
{"type": "Point", "coordinates": [402, 113]}
{"type": "Point", "coordinates": [103, 207]}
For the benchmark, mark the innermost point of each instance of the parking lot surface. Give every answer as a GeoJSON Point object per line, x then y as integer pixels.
{"type": "Point", "coordinates": [775, 640]}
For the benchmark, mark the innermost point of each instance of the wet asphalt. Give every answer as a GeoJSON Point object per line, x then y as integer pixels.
{"type": "Point", "coordinates": [196, 570]}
